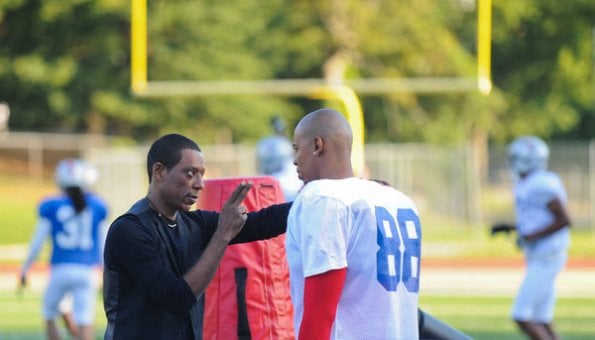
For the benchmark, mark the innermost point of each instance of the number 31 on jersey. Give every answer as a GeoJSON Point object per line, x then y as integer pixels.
{"type": "Point", "coordinates": [399, 239]}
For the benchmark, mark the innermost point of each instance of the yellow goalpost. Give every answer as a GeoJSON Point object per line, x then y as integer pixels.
{"type": "Point", "coordinates": [345, 93]}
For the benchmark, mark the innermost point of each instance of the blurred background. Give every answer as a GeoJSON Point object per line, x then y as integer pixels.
{"type": "Point", "coordinates": [65, 91]}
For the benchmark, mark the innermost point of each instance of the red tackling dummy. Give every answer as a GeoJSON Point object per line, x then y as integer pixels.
{"type": "Point", "coordinates": [249, 295]}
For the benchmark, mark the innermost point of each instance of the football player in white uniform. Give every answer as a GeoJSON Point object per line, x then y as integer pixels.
{"type": "Point", "coordinates": [75, 222]}
{"type": "Point", "coordinates": [353, 245]}
{"type": "Point", "coordinates": [274, 156]}
{"type": "Point", "coordinates": [543, 232]}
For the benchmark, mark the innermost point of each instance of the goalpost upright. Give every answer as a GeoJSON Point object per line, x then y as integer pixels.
{"type": "Point", "coordinates": [345, 93]}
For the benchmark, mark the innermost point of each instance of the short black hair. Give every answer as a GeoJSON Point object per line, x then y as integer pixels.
{"type": "Point", "coordinates": [168, 151]}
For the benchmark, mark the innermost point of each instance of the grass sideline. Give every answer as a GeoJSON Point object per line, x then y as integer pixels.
{"type": "Point", "coordinates": [487, 318]}
{"type": "Point", "coordinates": [483, 318]}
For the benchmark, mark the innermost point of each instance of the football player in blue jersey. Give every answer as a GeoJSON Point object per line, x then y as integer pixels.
{"type": "Point", "coordinates": [75, 221]}
{"type": "Point", "coordinates": [543, 232]}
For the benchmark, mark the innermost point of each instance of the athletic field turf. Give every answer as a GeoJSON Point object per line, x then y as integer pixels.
{"type": "Point", "coordinates": [481, 312]}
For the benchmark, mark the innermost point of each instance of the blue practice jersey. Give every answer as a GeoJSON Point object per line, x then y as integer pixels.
{"type": "Point", "coordinates": [75, 238]}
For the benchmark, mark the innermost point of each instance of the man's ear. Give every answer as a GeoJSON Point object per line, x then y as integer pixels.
{"type": "Point", "coordinates": [158, 171]}
{"type": "Point", "coordinates": [318, 145]}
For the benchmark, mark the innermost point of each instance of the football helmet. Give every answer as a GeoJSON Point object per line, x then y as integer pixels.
{"type": "Point", "coordinates": [74, 172]}
{"type": "Point", "coordinates": [273, 154]}
{"type": "Point", "coordinates": [526, 154]}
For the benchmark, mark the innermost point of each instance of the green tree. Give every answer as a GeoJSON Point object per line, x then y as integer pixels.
{"type": "Point", "coordinates": [64, 66]}
{"type": "Point", "coordinates": [56, 57]}
{"type": "Point", "coordinates": [544, 65]}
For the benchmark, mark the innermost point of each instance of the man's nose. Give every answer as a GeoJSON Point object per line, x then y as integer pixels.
{"type": "Point", "coordinates": [199, 183]}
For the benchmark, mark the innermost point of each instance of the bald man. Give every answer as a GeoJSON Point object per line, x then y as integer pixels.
{"type": "Point", "coordinates": [353, 245]}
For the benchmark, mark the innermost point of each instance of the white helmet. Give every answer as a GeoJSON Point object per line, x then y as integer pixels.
{"type": "Point", "coordinates": [273, 154]}
{"type": "Point", "coordinates": [75, 173]}
{"type": "Point", "coordinates": [526, 154]}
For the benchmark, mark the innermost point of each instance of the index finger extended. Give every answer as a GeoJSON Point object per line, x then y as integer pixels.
{"type": "Point", "coordinates": [239, 193]}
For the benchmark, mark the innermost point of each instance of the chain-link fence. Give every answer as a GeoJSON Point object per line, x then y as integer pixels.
{"type": "Point", "coordinates": [444, 181]}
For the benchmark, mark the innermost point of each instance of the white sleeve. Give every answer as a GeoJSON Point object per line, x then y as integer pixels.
{"type": "Point", "coordinates": [41, 233]}
{"type": "Point", "coordinates": [548, 189]}
{"type": "Point", "coordinates": [323, 236]}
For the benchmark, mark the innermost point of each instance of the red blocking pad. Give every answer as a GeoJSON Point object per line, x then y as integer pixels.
{"type": "Point", "coordinates": [249, 295]}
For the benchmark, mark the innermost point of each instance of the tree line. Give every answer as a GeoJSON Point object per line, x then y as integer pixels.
{"type": "Point", "coordinates": [65, 66]}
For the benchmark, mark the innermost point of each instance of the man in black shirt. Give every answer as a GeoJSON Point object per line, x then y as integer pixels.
{"type": "Point", "coordinates": [160, 256]}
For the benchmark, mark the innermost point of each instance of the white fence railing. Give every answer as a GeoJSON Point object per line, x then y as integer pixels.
{"type": "Point", "coordinates": [442, 180]}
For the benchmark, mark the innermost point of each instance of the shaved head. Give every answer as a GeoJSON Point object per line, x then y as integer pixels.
{"type": "Point", "coordinates": [328, 124]}
{"type": "Point", "coordinates": [322, 142]}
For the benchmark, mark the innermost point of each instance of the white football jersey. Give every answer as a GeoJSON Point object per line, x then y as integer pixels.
{"type": "Point", "coordinates": [372, 230]}
{"type": "Point", "coordinates": [532, 195]}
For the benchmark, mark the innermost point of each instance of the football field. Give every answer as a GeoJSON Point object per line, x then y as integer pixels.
{"type": "Point", "coordinates": [475, 299]}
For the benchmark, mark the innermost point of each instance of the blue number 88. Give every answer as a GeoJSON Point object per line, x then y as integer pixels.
{"type": "Point", "coordinates": [399, 239]}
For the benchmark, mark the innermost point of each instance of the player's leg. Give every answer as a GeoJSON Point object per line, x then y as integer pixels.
{"type": "Point", "coordinates": [51, 300]}
{"type": "Point", "coordinates": [545, 311]}
{"type": "Point", "coordinates": [84, 296]}
{"type": "Point", "coordinates": [550, 330]}
{"type": "Point", "coordinates": [65, 308]}
{"type": "Point", "coordinates": [51, 330]}
{"type": "Point", "coordinates": [552, 266]}
{"type": "Point", "coordinates": [69, 323]}
{"type": "Point", "coordinates": [528, 298]}
{"type": "Point", "coordinates": [85, 332]}
{"type": "Point", "coordinates": [533, 330]}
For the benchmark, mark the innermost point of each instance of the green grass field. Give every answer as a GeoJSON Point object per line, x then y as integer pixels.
{"type": "Point", "coordinates": [479, 317]}
{"type": "Point", "coordinates": [18, 206]}
{"type": "Point", "coordinates": [487, 317]}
